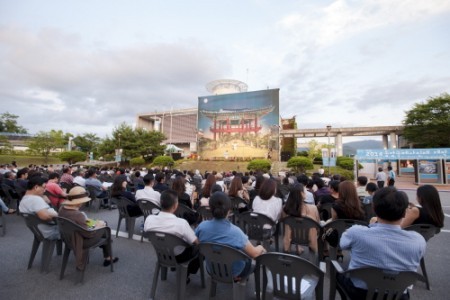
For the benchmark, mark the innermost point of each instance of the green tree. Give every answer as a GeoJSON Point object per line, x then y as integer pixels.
{"type": "Point", "coordinates": [5, 145]}
{"type": "Point", "coordinates": [299, 164]}
{"type": "Point", "coordinates": [427, 125]}
{"type": "Point", "coordinates": [8, 123]}
{"type": "Point", "coordinates": [87, 142]}
{"type": "Point", "coordinates": [262, 165]}
{"type": "Point", "coordinates": [313, 150]}
{"type": "Point", "coordinates": [43, 143]}
{"type": "Point", "coordinates": [72, 156]}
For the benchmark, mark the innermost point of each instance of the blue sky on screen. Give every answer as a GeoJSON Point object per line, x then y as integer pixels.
{"type": "Point", "coordinates": [86, 66]}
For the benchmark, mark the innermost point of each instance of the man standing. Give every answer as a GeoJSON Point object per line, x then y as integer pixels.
{"type": "Point", "coordinates": [148, 192]}
{"type": "Point", "coordinates": [384, 244]}
{"type": "Point", "coordinates": [380, 178]}
{"type": "Point", "coordinates": [391, 176]}
{"type": "Point", "coordinates": [167, 222]}
{"type": "Point", "coordinates": [33, 203]}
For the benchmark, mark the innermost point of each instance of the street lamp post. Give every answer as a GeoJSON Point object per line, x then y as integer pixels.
{"type": "Point", "coordinates": [328, 147]}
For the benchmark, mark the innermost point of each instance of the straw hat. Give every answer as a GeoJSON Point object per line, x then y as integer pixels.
{"type": "Point", "coordinates": [77, 195]}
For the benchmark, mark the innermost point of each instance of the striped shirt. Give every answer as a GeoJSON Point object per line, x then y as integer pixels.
{"type": "Point", "coordinates": [382, 246]}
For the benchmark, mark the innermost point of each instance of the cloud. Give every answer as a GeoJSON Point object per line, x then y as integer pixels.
{"type": "Point", "coordinates": [343, 19]}
{"type": "Point", "coordinates": [51, 76]}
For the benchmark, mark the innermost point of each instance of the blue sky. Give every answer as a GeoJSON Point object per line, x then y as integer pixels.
{"type": "Point", "coordinates": [86, 66]}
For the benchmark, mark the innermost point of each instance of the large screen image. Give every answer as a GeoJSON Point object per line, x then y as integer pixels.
{"type": "Point", "coordinates": [239, 126]}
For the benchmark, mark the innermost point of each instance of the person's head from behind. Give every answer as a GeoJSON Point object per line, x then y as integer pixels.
{"type": "Point", "coordinates": [295, 200]}
{"type": "Point", "coordinates": [371, 188]}
{"type": "Point", "coordinates": [53, 177]}
{"type": "Point", "coordinates": [149, 179]}
{"type": "Point", "coordinates": [390, 204]}
{"type": "Point", "coordinates": [235, 186]}
{"type": "Point", "coordinates": [389, 168]}
{"type": "Point", "coordinates": [303, 179]}
{"type": "Point", "coordinates": [36, 182]}
{"type": "Point", "coordinates": [220, 205]}
{"type": "Point", "coordinates": [348, 193]}
{"type": "Point", "coordinates": [362, 180]}
{"type": "Point", "coordinates": [216, 188]}
{"type": "Point", "coordinates": [428, 198]}
{"type": "Point", "coordinates": [268, 189]}
{"type": "Point", "coordinates": [169, 200]}
{"type": "Point", "coordinates": [380, 169]}
{"type": "Point", "coordinates": [160, 177]}
{"type": "Point", "coordinates": [333, 185]}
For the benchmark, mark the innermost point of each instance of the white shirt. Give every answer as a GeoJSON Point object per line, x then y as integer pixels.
{"type": "Point", "coordinates": [80, 181]}
{"type": "Point", "coordinates": [150, 194]}
{"type": "Point", "coordinates": [31, 204]}
{"type": "Point", "coordinates": [309, 197]}
{"type": "Point", "coordinates": [381, 176]}
{"type": "Point", "coordinates": [169, 223]}
{"type": "Point", "coordinates": [270, 208]}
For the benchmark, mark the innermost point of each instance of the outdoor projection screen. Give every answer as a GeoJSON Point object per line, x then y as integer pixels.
{"type": "Point", "coordinates": [240, 125]}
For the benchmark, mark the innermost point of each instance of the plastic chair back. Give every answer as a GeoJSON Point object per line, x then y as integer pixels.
{"type": "Point", "coordinates": [205, 213]}
{"type": "Point", "coordinates": [381, 284]}
{"type": "Point", "coordinates": [70, 232]}
{"type": "Point", "coordinates": [148, 207]}
{"type": "Point", "coordinates": [300, 228]}
{"type": "Point", "coordinates": [426, 230]}
{"type": "Point", "coordinates": [287, 272]}
{"type": "Point", "coordinates": [165, 245]}
{"type": "Point", "coordinates": [220, 259]}
{"type": "Point", "coordinates": [253, 224]}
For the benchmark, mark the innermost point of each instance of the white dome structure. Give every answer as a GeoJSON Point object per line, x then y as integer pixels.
{"type": "Point", "coordinates": [226, 86]}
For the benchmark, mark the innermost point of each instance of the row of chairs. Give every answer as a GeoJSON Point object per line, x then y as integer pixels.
{"type": "Point", "coordinates": [288, 273]}
{"type": "Point", "coordinates": [71, 233]}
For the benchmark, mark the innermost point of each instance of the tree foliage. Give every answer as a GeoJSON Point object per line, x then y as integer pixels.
{"type": "Point", "coordinates": [86, 142]}
{"type": "Point", "coordinates": [427, 125]}
{"type": "Point", "coordinates": [259, 165]}
{"type": "Point", "coordinates": [5, 145]}
{"type": "Point", "coordinates": [8, 123]}
{"type": "Point", "coordinates": [137, 162]}
{"type": "Point", "coordinates": [45, 142]}
{"type": "Point", "coordinates": [72, 156]}
{"type": "Point", "coordinates": [313, 150]}
{"type": "Point", "coordinates": [134, 142]}
{"type": "Point", "coordinates": [300, 164]}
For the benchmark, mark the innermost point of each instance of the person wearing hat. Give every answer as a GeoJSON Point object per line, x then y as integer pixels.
{"type": "Point", "coordinates": [70, 209]}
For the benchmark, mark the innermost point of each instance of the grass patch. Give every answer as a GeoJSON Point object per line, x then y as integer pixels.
{"type": "Point", "coordinates": [24, 161]}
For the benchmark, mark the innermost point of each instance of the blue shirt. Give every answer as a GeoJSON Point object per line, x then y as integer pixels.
{"type": "Point", "coordinates": [382, 246]}
{"type": "Point", "coordinates": [222, 231]}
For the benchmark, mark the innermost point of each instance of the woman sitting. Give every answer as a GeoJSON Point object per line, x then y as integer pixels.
{"type": "Point", "coordinates": [206, 191]}
{"type": "Point", "coordinates": [221, 230]}
{"type": "Point", "coordinates": [296, 207]}
{"type": "Point", "coordinates": [427, 211]}
{"type": "Point", "coordinates": [266, 203]}
{"type": "Point", "coordinates": [238, 192]}
{"type": "Point", "coordinates": [70, 209]}
{"type": "Point", "coordinates": [348, 206]}
{"type": "Point", "coordinates": [119, 189]}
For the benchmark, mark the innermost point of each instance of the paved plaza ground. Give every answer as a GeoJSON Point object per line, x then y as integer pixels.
{"type": "Point", "coordinates": [133, 274]}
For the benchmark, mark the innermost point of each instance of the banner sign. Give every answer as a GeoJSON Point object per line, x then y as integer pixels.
{"type": "Point", "coordinates": [403, 154]}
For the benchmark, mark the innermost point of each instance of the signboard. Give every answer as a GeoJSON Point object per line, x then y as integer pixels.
{"type": "Point", "coordinates": [398, 154]}
{"type": "Point", "coordinates": [331, 160]}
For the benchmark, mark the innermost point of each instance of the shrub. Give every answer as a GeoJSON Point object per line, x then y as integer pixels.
{"type": "Point", "coordinates": [163, 161]}
{"type": "Point", "coordinates": [346, 163]}
{"type": "Point", "coordinates": [72, 156]}
{"type": "Point", "coordinates": [299, 164]}
{"type": "Point", "coordinates": [137, 161]}
{"type": "Point", "coordinates": [257, 165]}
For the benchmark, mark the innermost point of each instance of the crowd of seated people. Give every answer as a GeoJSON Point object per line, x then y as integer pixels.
{"type": "Point", "coordinates": [301, 197]}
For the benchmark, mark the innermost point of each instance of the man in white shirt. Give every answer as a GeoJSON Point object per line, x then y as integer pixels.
{"type": "Point", "coordinates": [148, 192]}
{"type": "Point", "coordinates": [33, 203]}
{"type": "Point", "coordinates": [167, 222]}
